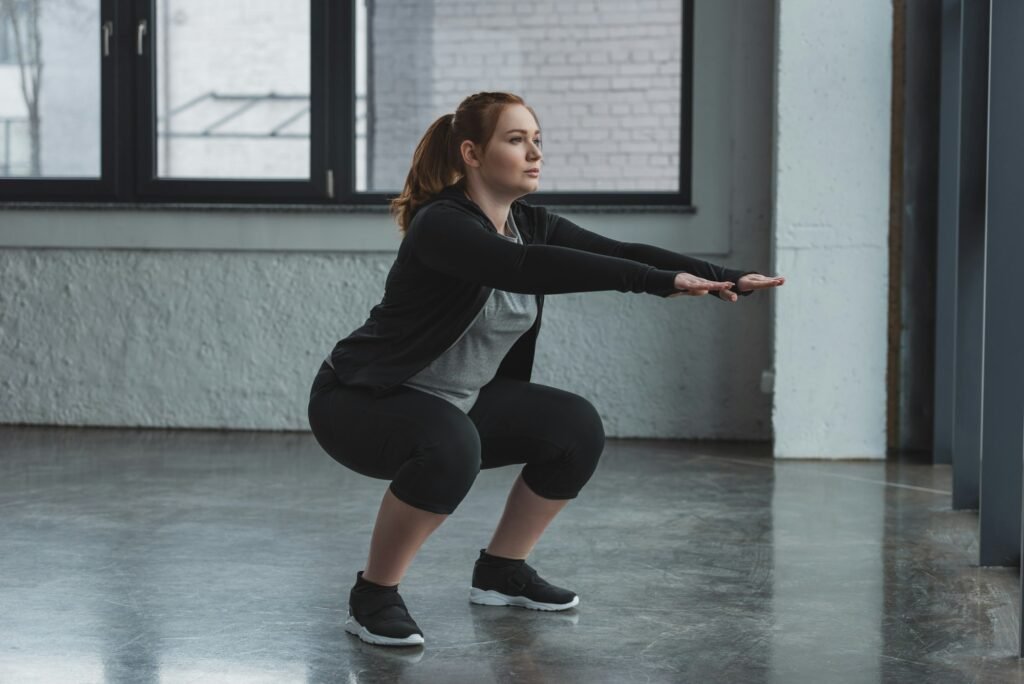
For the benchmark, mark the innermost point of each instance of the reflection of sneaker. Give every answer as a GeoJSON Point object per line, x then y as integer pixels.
{"type": "Point", "coordinates": [378, 615]}
{"type": "Point", "coordinates": [516, 584]}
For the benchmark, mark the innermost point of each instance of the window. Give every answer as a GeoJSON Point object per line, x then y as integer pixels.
{"type": "Point", "coordinates": [49, 116]}
{"type": "Point", "coordinates": [233, 104]}
{"type": "Point", "coordinates": [13, 21]}
{"type": "Point", "coordinates": [324, 101]}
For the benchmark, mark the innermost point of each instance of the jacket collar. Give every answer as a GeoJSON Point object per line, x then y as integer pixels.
{"type": "Point", "coordinates": [457, 195]}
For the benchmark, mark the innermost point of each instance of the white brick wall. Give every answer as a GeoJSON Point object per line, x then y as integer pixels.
{"type": "Point", "coordinates": [604, 77]}
{"type": "Point", "coordinates": [400, 97]}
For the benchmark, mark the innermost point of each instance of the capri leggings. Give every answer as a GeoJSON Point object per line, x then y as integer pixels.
{"type": "Point", "coordinates": [432, 451]}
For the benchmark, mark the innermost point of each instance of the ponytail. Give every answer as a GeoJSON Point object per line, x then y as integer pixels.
{"type": "Point", "coordinates": [433, 168]}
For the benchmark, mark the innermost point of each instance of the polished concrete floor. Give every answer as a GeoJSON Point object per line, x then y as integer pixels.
{"type": "Point", "coordinates": [198, 556]}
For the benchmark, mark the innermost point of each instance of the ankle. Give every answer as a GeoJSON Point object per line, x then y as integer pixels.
{"type": "Point", "coordinates": [486, 555]}
{"type": "Point", "coordinates": [363, 580]}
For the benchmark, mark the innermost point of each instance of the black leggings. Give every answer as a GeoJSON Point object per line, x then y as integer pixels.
{"type": "Point", "coordinates": [432, 451]}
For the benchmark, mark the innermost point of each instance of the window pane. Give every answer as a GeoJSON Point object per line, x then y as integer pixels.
{"type": "Point", "coordinates": [49, 88]}
{"type": "Point", "coordinates": [605, 84]}
{"type": "Point", "coordinates": [232, 89]}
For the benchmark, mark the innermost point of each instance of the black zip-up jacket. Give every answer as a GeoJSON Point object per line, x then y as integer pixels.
{"type": "Point", "coordinates": [452, 257]}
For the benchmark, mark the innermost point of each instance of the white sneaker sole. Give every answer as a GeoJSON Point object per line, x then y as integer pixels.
{"type": "Point", "coordinates": [496, 598]}
{"type": "Point", "coordinates": [352, 626]}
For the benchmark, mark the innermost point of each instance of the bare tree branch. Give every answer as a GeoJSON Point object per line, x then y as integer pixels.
{"type": "Point", "coordinates": [11, 10]}
{"type": "Point", "coordinates": [28, 41]}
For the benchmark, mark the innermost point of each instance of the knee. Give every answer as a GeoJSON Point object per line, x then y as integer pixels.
{"type": "Point", "coordinates": [438, 478]}
{"type": "Point", "coordinates": [581, 438]}
{"type": "Point", "coordinates": [588, 442]}
{"type": "Point", "coordinates": [458, 457]}
{"type": "Point", "coordinates": [588, 429]}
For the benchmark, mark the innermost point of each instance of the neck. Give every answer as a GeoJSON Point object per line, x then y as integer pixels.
{"type": "Point", "coordinates": [494, 208]}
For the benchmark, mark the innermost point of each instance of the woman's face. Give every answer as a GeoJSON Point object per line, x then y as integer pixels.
{"type": "Point", "coordinates": [513, 149]}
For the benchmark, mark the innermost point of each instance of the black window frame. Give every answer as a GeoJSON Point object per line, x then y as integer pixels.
{"type": "Point", "coordinates": [128, 129]}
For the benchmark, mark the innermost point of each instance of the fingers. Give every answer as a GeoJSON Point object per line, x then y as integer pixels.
{"type": "Point", "coordinates": [726, 290]}
{"type": "Point", "coordinates": [696, 286]}
{"type": "Point", "coordinates": [756, 281]}
{"type": "Point", "coordinates": [764, 282]}
{"type": "Point", "coordinates": [711, 286]}
{"type": "Point", "coordinates": [687, 282]}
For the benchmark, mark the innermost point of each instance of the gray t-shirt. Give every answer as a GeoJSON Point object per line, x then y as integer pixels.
{"type": "Point", "coordinates": [472, 360]}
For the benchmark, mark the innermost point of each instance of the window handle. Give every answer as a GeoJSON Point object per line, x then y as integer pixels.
{"type": "Point", "coordinates": [108, 29]}
{"type": "Point", "coordinates": [140, 33]}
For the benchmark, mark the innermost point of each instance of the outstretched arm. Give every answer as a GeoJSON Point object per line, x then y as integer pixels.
{"type": "Point", "coordinates": [564, 233]}
{"type": "Point", "coordinates": [446, 239]}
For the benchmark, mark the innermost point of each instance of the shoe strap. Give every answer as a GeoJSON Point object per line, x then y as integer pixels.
{"type": "Point", "coordinates": [522, 577]}
{"type": "Point", "coordinates": [375, 603]}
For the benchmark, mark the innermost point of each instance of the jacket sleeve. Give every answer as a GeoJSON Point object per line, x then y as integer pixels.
{"type": "Point", "coordinates": [565, 233]}
{"type": "Point", "coordinates": [450, 241]}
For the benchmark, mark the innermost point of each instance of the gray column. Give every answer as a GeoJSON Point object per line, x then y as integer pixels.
{"type": "Point", "coordinates": [923, 81]}
{"type": "Point", "coordinates": [1000, 496]}
{"type": "Point", "coordinates": [1020, 615]}
{"type": "Point", "coordinates": [968, 274]}
{"type": "Point", "coordinates": [945, 247]}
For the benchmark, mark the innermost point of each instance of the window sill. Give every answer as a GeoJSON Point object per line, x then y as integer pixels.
{"type": "Point", "coordinates": [305, 228]}
{"type": "Point", "coordinates": [324, 208]}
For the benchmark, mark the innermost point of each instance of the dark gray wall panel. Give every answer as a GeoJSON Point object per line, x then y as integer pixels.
{"type": "Point", "coordinates": [1000, 500]}
{"type": "Point", "coordinates": [970, 248]}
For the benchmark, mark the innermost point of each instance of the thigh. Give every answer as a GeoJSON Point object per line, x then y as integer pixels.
{"type": "Point", "coordinates": [376, 436]}
{"type": "Point", "coordinates": [527, 422]}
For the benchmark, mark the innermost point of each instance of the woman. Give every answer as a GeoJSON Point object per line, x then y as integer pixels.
{"type": "Point", "coordinates": [435, 385]}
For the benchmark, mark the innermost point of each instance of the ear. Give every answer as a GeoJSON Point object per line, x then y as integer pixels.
{"type": "Point", "coordinates": [468, 152]}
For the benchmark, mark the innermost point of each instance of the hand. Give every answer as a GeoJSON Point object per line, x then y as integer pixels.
{"type": "Point", "coordinates": [696, 286]}
{"type": "Point", "coordinates": [751, 281]}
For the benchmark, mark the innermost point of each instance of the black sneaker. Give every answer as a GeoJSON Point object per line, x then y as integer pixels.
{"type": "Point", "coordinates": [516, 583]}
{"type": "Point", "coordinates": [378, 615]}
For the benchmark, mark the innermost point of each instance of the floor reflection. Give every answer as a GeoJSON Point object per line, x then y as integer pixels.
{"type": "Point", "coordinates": [827, 574]}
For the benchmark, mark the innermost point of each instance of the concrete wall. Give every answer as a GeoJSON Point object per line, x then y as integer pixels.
{"type": "Point", "coordinates": [169, 331]}
{"type": "Point", "coordinates": [832, 133]}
